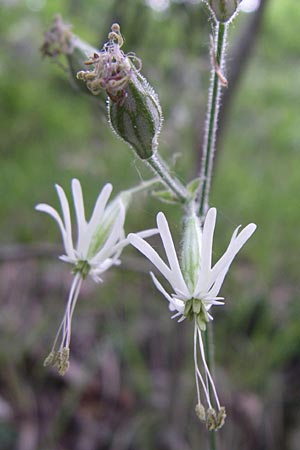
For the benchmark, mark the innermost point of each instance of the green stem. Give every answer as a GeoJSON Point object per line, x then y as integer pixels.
{"type": "Point", "coordinates": [160, 168]}
{"type": "Point", "coordinates": [208, 160]}
{"type": "Point", "coordinates": [212, 441]}
{"type": "Point", "coordinates": [212, 118]}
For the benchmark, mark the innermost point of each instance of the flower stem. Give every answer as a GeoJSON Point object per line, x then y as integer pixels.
{"type": "Point", "coordinates": [158, 165]}
{"type": "Point", "coordinates": [213, 107]}
{"type": "Point", "coordinates": [207, 161]}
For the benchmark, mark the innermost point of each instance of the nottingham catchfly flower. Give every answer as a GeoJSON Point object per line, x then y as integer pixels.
{"type": "Point", "coordinates": [99, 244]}
{"type": "Point", "coordinates": [195, 283]}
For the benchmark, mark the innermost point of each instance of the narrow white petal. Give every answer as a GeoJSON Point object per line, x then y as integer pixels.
{"type": "Point", "coordinates": [175, 315]}
{"type": "Point", "coordinates": [68, 259]}
{"type": "Point", "coordinates": [234, 247]}
{"type": "Point", "coordinates": [147, 233]}
{"type": "Point", "coordinates": [215, 289]}
{"type": "Point", "coordinates": [67, 220]}
{"type": "Point", "coordinates": [178, 304]}
{"type": "Point", "coordinates": [143, 234]}
{"type": "Point", "coordinates": [207, 239]}
{"type": "Point", "coordinates": [161, 289]}
{"type": "Point", "coordinates": [43, 207]}
{"type": "Point", "coordinates": [169, 247]}
{"type": "Point", "coordinates": [80, 213]}
{"type": "Point", "coordinates": [182, 318]}
{"type": "Point", "coordinates": [152, 255]}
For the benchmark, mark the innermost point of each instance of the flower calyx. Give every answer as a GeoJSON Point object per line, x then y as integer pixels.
{"type": "Point", "coordinates": [134, 111]}
{"type": "Point", "coordinates": [223, 10]}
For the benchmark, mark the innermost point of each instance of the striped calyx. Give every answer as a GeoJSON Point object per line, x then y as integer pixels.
{"type": "Point", "coordinates": [224, 10]}
{"type": "Point", "coordinates": [137, 119]}
{"type": "Point", "coordinates": [191, 251]}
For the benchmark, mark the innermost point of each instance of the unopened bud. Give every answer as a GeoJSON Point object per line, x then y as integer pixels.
{"type": "Point", "coordinates": [224, 10]}
{"type": "Point", "coordinates": [133, 109]}
{"type": "Point", "coordinates": [138, 118]}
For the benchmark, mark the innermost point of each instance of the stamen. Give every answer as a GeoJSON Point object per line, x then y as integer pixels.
{"type": "Point", "coordinates": [50, 360]}
{"type": "Point", "coordinates": [200, 411]}
{"type": "Point", "coordinates": [221, 417]}
{"type": "Point", "coordinates": [207, 369]}
{"type": "Point", "coordinates": [60, 358]}
{"type": "Point", "coordinates": [211, 419]}
{"type": "Point", "coordinates": [199, 375]}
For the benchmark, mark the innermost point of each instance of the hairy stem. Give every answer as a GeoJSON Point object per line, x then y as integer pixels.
{"type": "Point", "coordinates": [216, 81]}
{"type": "Point", "coordinates": [161, 169]}
{"type": "Point", "coordinates": [213, 106]}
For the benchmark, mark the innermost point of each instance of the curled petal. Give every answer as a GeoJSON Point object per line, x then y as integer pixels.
{"type": "Point", "coordinates": [234, 247]}
{"type": "Point", "coordinates": [151, 254]}
{"type": "Point", "coordinates": [43, 207]}
{"type": "Point", "coordinates": [67, 220]}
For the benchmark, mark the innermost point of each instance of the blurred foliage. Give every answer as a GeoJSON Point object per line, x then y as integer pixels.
{"type": "Point", "coordinates": [130, 384]}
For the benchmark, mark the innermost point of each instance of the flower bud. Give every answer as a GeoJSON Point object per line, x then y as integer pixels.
{"type": "Point", "coordinates": [134, 111]}
{"type": "Point", "coordinates": [224, 10]}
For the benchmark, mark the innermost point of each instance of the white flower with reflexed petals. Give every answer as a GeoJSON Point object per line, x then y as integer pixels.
{"type": "Point", "coordinates": [195, 284]}
{"type": "Point", "coordinates": [99, 244]}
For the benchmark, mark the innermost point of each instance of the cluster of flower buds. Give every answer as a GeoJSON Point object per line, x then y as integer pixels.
{"type": "Point", "coordinates": [223, 10]}
{"type": "Point", "coordinates": [134, 111]}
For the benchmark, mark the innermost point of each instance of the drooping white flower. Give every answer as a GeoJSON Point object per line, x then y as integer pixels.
{"type": "Point", "coordinates": [98, 247]}
{"type": "Point", "coordinates": [195, 283]}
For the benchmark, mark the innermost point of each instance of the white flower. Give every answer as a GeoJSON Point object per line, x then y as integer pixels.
{"type": "Point", "coordinates": [195, 286]}
{"type": "Point", "coordinates": [99, 244]}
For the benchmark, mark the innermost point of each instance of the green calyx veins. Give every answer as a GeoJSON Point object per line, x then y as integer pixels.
{"type": "Point", "coordinates": [137, 119]}
{"type": "Point", "coordinates": [195, 309]}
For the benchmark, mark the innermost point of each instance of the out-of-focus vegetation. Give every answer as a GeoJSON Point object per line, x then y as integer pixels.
{"type": "Point", "coordinates": [130, 385]}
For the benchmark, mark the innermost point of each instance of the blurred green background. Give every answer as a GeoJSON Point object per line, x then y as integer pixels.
{"type": "Point", "coordinates": [131, 384]}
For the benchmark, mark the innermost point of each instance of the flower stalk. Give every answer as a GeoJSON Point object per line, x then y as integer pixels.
{"type": "Point", "coordinates": [217, 81]}
{"type": "Point", "coordinates": [173, 184]}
